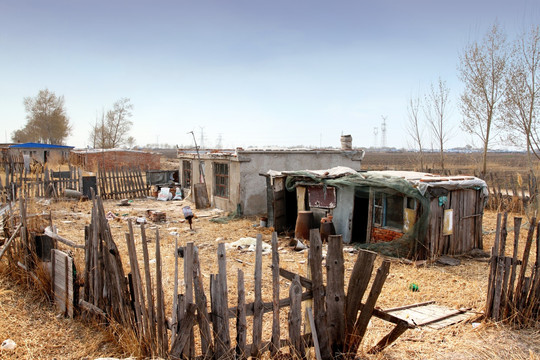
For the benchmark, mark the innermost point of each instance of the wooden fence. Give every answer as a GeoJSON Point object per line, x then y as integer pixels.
{"type": "Point", "coordinates": [335, 322]}
{"type": "Point", "coordinates": [514, 292]}
{"type": "Point", "coordinates": [122, 183]}
{"type": "Point", "coordinates": [512, 193]}
{"type": "Point", "coordinates": [44, 182]}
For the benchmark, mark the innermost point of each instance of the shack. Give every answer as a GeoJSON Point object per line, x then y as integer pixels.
{"type": "Point", "coordinates": [42, 153]}
{"type": "Point", "coordinates": [232, 177]}
{"type": "Point", "coordinates": [398, 213]}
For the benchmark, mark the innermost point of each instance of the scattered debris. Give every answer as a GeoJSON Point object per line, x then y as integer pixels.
{"type": "Point", "coordinates": [124, 202]}
{"type": "Point", "coordinates": [8, 344]}
{"type": "Point", "coordinates": [165, 194]}
{"type": "Point", "coordinates": [111, 216]}
{"type": "Point", "coordinates": [188, 214]}
{"type": "Point", "coordinates": [156, 216]}
{"type": "Point", "coordinates": [248, 244]}
{"type": "Point", "coordinates": [299, 246]}
{"type": "Point", "coordinates": [448, 261]}
{"type": "Point", "coordinates": [414, 287]}
{"type": "Point", "coordinates": [141, 220]}
{"type": "Point", "coordinates": [478, 253]}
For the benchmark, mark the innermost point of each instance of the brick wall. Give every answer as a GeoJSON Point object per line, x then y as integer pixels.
{"type": "Point", "coordinates": [110, 159]}
{"type": "Point", "coordinates": [384, 235]}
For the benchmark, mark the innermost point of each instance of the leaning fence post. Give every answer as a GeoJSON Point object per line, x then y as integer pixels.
{"type": "Point", "coordinates": [319, 309]}
{"type": "Point", "coordinates": [335, 293]}
{"type": "Point", "coordinates": [258, 303]}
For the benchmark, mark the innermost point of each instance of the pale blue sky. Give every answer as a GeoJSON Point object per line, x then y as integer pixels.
{"type": "Point", "coordinates": [255, 72]}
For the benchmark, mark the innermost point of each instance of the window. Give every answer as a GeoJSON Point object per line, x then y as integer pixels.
{"type": "Point", "coordinates": [186, 173]}
{"type": "Point", "coordinates": [221, 180]}
{"type": "Point", "coordinates": [388, 210]}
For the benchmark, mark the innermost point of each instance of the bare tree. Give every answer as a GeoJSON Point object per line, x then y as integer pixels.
{"type": "Point", "coordinates": [113, 128]}
{"type": "Point", "coordinates": [47, 119]}
{"type": "Point", "coordinates": [436, 112]}
{"type": "Point", "coordinates": [98, 134]}
{"type": "Point", "coordinates": [522, 95]}
{"type": "Point", "coordinates": [482, 69]}
{"type": "Point", "coordinates": [415, 128]}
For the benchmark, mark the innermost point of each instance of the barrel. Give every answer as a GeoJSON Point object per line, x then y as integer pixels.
{"type": "Point", "coordinates": [327, 229]}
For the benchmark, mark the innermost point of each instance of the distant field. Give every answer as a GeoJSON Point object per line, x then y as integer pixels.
{"type": "Point", "coordinates": [502, 164]}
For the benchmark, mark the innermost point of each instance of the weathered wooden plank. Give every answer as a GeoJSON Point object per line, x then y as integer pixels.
{"type": "Point", "coordinates": [241, 322]}
{"type": "Point", "coordinates": [289, 275]}
{"type": "Point", "coordinates": [497, 294]}
{"type": "Point", "coordinates": [220, 347]}
{"type": "Point", "coordinates": [492, 278]}
{"type": "Point", "coordinates": [136, 295]}
{"type": "Point", "coordinates": [175, 293]}
{"type": "Point", "coordinates": [354, 339]}
{"type": "Point", "coordinates": [335, 293]}
{"type": "Point", "coordinates": [358, 282]}
{"type": "Point", "coordinates": [182, 340]}
{"type": "Point", "coordinates": [274, 348]}
{"type": "Point", "coordinates": [258, 303]}
{"type": "Point", "coordinates": [160, 311]}
{"type": "Point", "coordinates": [295, 320]}
{"type": "Point", "coordinates": [314, 334]}
{"type": "Point", "coordinates": [149, 291]}
{"type": "Point", "coordinates": [189, 349]}
{"type": "Point", "coordinates": [8, 243]}
{"type": "Point", "coordinates": [392, 336]}
{"type": "Point", "coordinates": [319, 308]}
{"type": "Point", "coordinates": [202, 311]}
{"type": "Point", "coordinates": [518, 297]}
{"type": "Point", "coordinates": [517, 229]}
{"type": "Point", "coordinates": [62, 281]}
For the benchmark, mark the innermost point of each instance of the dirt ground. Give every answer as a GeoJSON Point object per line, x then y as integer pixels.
{"type": "Point", "coordinates": [33, 324]}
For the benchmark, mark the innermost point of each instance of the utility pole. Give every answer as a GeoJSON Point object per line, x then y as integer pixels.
{"type": "Point", "coordinates": [201, 170]}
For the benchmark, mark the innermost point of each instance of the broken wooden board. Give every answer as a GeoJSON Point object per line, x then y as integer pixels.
{"type": "Point", "coordinates": [430, 315]}
{"type": "Point", "coordinates": [62, 281]}
{"type": "Point", "coordinates": [200, 194]}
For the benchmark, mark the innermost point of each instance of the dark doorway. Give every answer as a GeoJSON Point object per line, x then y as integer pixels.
{"type": "Point", "coordinates": [360, 219]}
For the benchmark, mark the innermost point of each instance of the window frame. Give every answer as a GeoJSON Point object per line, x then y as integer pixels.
{"type": "Point", "coordinates": [221, 179]}
{"type": "Point", "coordinates": [380, 210]}
{"type": "Point", "coordinates": [187, 173]}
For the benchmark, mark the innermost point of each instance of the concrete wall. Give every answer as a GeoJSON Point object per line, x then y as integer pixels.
{"type": "Point", "coordinates": [252, 163]}
{"type": "Point", "coordinates": [247, 187]}
{"type": "Point", "coordinates": [227, 204]}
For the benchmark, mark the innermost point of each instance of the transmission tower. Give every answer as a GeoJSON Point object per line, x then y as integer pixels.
{"type": "Point", "coordinates": [383, 131]}
{"type": "Point", "coordinates": [375, 135]}
{"type": "Point", "coordinates": [201, 142]}
{"type": "Point", "coordinates": [218, 143]}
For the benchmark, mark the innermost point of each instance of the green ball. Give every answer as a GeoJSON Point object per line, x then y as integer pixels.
{"type": "Point", "coordinates": [413, 287]}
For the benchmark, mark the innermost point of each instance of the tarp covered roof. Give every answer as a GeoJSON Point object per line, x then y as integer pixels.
{"type": "Point", "coordinates": [418, 180]}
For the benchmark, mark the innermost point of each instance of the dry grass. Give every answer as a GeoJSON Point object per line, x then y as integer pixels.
{"type": "Point", "coordinates": [460, 286]}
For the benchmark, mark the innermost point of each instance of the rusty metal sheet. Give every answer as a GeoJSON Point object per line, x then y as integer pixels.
{"type": "Point", "coordinates": [322, 197]}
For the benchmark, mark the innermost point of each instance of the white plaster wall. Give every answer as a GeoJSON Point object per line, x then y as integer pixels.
{"type": "Point", "coordinates": [253, 186]}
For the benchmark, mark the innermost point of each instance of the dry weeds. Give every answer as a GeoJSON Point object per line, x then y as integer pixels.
{"type": "Point", "coordinates": [459, 286]}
